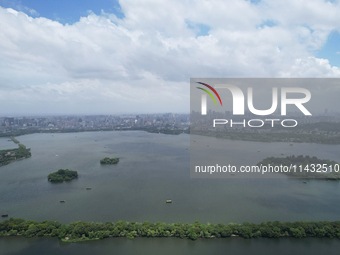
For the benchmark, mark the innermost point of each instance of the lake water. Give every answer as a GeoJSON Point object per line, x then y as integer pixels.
{"type": "Point", "coordinates": [152, 169]}
{"type": "Point", "coordinates": [170, 246]}
{"type": "Point", "coordinates": [7, 143]}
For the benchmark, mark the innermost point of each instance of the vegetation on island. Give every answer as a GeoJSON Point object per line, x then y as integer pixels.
{"type": "Point", "coordinates": [11, 155]}
{"type": "Point", "coordinates": [109, 161]}
{"type": "Point", "coordinates": [84, 231]}
{"type": "Point", "coordinates": [62, 175]}
{"type": "Point", "coordinates": [305, 166]}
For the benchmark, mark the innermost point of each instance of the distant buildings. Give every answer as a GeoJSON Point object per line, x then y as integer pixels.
{"type": "Point", "coordinates": [167, 122]}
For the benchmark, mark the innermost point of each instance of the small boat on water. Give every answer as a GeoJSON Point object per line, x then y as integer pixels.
{"type": "Point", "coordinates": [168, 201]}
{"type": "Point", "coordinates": [4, 215]}
{"type": "Point", "coordinates": [62, 201]}
{"type": "Point", "coordinates": [88, 188]}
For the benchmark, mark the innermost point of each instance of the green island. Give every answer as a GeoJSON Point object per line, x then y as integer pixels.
{"type": "Point", "coordinates": [85, 231]}
{"type": "Point", "coordinates": [62, 175]}
{"type": "Point", "coordinates": [306, 166]}
{"type": "Point", "coordinates": [11, 155]}
{"type": "Point", "coordinates": [109, 161]}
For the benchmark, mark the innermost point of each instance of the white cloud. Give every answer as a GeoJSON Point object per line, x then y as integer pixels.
{"type": "Point", "coordinates": [144, 61]}
{"type": "Point", "coordinates": [311, 67]}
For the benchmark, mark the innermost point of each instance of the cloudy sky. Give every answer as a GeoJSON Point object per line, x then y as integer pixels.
{"type": "Point", "coordinates": [105, 56]}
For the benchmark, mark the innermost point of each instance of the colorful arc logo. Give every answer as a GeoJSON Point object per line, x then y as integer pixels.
{"type": "Point", "coordinates": [211, 92]}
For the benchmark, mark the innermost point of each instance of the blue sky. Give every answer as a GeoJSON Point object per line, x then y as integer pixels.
{"type": "Point", "coordinates": [64, 11]}
{"type": "Point", "coordinates": [141, 58]}
{"type": "Point", "coordinates": [331, 49]}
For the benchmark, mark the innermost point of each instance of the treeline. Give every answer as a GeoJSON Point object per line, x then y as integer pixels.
{"type": "Point", "coordinates": [20, 132]}
{"type": "Point", "coordinates": [289, 137]}
{"type": "Point", "coordinates": [82, 231]}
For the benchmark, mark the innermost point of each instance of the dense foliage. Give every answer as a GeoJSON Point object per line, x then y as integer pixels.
{"type": "Point", "coordinates": [81, 231]}
{"type": "Point", "coordinates": [109, 161]}
{"type": "Point", "coordinates": [62, 175]}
